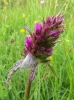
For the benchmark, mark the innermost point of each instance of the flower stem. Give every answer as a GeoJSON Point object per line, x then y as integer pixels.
{"type": "Point", "coordinates": [28, 87]}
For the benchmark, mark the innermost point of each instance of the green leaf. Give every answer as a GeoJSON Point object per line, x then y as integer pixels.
{"type": "Point", "coordinates": [53, 70]}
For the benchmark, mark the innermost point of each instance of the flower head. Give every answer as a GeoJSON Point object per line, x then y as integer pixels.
{"type": "Point", "coordinates": [40, 43]}
{"type": "Point", "coordinates": [42, 1]}
{"type": "Point", "coordinates": [35, 22]}
{"type": "Point", "coordinates": [23, 15]}
{"type": "Point", "coordinates": [22, 30]}
{"type": "Point", "coordinates": [67, 40]}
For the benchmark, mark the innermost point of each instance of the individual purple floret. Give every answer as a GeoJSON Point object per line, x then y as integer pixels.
{"type": "Point", "coordinates": [40, 43]}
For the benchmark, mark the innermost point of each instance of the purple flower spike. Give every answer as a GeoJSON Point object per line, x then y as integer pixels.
{"type": "Point", "coordinates": [40, 43]}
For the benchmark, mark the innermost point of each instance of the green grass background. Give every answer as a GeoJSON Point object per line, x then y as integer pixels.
{"type": "Point", "coordinates": [45, 86]}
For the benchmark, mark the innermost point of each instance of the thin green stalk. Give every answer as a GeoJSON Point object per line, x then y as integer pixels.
{"type": "Point", "coordinates": [28, 87]}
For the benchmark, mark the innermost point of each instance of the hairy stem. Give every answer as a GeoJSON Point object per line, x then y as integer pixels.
{"type": "Point", "coordinates": [28, 87]}
{"type": "Point", "coordinates": [31, 76]}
